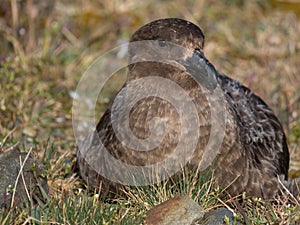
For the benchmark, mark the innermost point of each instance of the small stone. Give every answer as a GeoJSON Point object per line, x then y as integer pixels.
{"type": "Point", "coordinates": [30, 132]}
{"type": "Point", "coordinates": [217, 216]}
{"type": "Point", "coordinates": [60, 119]}
{"type": "Point", "coordinates": [181, 210]}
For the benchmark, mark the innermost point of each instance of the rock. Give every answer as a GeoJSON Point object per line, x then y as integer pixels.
{"type": "Point", "coordinates": [183, 210]}
{"type": "Point", "coordinates": [180, 210]}
{"type": "Point", "coordinates": [217, 217]}
{"type": "Point", "coordinates": [30, 132]}
{"type": "Point", "coordinates": [34, 179]}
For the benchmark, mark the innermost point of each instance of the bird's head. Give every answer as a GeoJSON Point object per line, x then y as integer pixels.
{"type": "Point", "coordinates": [175, 42]}
{"type": "Point", "coordinates": [177, 31]}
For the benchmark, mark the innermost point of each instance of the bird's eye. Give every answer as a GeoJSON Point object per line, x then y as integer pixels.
{"type": "Point", "coordinates": [162, 43]}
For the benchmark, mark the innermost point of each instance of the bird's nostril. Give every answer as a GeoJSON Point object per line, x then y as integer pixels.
{"type": "Point", "coordinates": [162, 43]}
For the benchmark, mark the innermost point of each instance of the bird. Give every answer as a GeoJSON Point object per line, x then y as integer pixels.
{"type": "Point", "coordinates": [249, 151]}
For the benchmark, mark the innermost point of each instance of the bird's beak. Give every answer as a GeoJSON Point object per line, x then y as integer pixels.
{"type": "Point", "coordinates": [201, 69]}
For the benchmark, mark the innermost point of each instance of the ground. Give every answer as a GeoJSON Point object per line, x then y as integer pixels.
{"type": "Point", "coordinates": [46, 47]}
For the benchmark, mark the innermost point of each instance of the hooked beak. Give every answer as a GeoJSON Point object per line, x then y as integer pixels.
{"type": "Point", "coordinates": [201, 69]}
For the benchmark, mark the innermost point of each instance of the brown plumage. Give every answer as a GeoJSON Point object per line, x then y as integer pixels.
{"type": "Point", "coordinates": [253, 154]}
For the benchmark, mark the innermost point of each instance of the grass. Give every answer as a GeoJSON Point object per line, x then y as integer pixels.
{"type": "Point", "coordinates": [43, 56]}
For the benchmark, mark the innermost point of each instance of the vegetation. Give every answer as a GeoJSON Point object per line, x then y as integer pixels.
{"type": "Point", "coordinates": [45, 48]}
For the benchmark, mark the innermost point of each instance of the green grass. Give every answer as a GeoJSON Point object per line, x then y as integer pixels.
{"type": "Point", "coordinates": [44, 55]}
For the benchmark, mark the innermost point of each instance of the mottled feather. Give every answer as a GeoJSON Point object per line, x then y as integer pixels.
{"type": "Point", "coordinates": [253, 154]}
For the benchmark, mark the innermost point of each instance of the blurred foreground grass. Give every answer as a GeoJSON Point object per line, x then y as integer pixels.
{"type": "Point", "coordinates": [46, 46]}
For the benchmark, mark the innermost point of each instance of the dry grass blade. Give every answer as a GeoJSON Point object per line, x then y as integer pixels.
{"type": "Point", "coordinates": [18, 176]}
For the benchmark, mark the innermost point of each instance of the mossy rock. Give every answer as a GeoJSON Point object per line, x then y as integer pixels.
{"type": "Point", "coordinates": [31, 181]}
